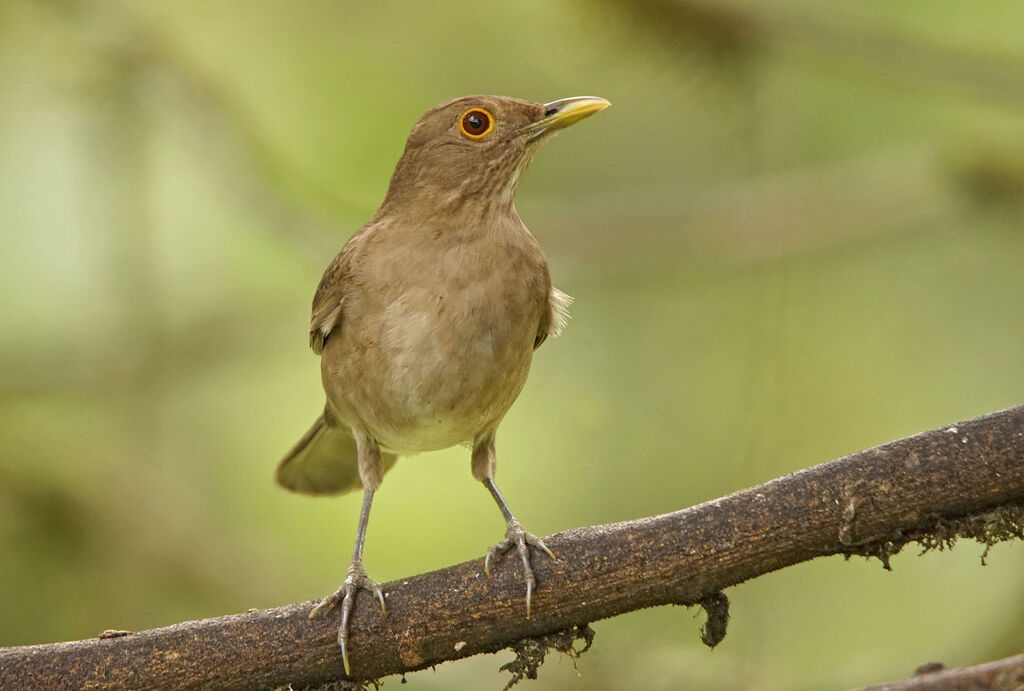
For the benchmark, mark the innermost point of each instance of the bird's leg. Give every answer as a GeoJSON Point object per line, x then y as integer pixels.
{"type": "Point", "coordinates": [355, 577]}
{"type": "Point", "coordinates": [518, 537]}
{"type": "Point", "coordinates": [515, 535]}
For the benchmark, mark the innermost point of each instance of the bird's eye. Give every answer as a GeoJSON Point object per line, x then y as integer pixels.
{"type": "Point", "coordinates": [476, 123]}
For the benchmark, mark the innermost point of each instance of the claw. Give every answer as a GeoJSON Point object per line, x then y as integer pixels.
{"type": "Point", "coordinates": [325, 604]}
{"type": "Point", "coordinates": [355, 579]}
{"type": "Point", "coordinates": [346, 612]}
{"type": "Point", "coordinates": [516, 536]}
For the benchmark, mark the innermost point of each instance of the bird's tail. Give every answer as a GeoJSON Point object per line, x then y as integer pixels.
{"type": "Point", "coordinates": [324, 461]}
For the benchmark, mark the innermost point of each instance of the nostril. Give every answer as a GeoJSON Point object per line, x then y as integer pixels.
{"type": "Point", "coordinates": [550, 111]}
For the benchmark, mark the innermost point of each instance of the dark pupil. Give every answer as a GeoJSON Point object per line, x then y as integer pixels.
{"type": "Point", "coordinates": [475, 123]}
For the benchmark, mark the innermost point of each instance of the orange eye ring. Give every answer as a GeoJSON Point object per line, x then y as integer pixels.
{"type": "Point", "coordinates": [476, 123]}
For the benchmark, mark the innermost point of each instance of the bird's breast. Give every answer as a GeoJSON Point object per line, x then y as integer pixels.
{"type": "Point", "coordinates": [445, 350]}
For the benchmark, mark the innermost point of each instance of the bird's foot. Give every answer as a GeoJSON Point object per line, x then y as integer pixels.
{"type": "Point", "coordinates": [355, 579]}
{"type": "Point", "coordinates": [518, 537]}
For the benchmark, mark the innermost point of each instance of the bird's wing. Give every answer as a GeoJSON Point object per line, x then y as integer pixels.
{"type": "Point", "coordinates": [327, 302]}
{"type": "Point", "coordinates": [555, 318]}
{"type": "Point", "coordinates": [330, 294]}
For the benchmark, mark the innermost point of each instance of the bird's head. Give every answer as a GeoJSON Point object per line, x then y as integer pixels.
{"type": "Point", "coordinates": [472, 150]}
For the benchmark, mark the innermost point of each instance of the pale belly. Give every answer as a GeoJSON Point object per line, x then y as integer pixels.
{"type": "Point", "coordinates": [428, 377]}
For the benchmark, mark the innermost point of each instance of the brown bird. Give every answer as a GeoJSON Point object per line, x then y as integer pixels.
{"type": "Point", "coordinates": [427, 319]}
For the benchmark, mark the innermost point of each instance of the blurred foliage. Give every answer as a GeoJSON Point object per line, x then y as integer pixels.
{"type": "Point", "coordinates": [798, 233]}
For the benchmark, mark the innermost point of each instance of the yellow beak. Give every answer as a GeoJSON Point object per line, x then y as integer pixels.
{"type": "Point", "coordinates": [564, 112]}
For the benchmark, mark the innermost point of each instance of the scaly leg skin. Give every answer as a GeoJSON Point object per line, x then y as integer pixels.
{"type": "Point", "coordinates": [355, 579]}
{"type": "Point", "coordinates": [516, 536]}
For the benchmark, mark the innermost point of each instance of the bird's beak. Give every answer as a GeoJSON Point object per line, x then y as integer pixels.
{"type": "Point", "coordinates": [564, 112]}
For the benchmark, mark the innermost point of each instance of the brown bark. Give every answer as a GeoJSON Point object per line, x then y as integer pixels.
{"type": "Point", "coordinates": [999, 675]}
{"type": "Point", "coordinates": [965, 480]}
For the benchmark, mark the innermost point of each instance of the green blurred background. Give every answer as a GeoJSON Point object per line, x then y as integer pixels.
{"type": "Point", "coordinates": [798, 233]}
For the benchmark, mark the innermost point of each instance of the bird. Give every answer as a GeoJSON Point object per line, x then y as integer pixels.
{"type": "Point", "coordinates": [427, 319]}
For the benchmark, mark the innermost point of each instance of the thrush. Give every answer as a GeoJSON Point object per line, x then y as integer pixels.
{"type": "Point", "coordinates": [427, 319]}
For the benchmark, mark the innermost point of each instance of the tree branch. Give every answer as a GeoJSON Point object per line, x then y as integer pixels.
{"type": "Point", "coordinates": [965, 480]}
{"type": "Point", "coordinates": [998, 675]}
